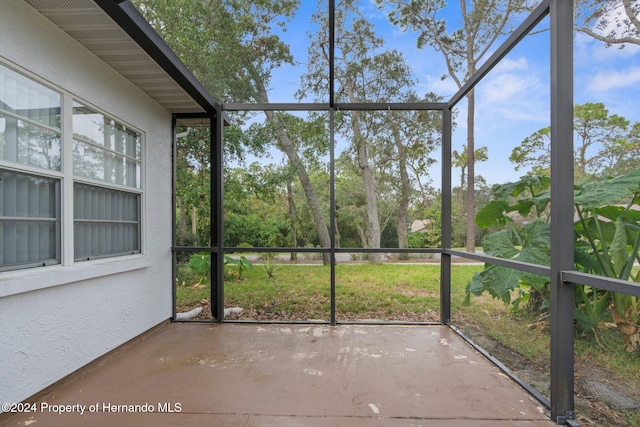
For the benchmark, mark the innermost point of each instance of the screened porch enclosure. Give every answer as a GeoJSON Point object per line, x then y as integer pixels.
{"type": "Point", "coordinates": [344, 130]}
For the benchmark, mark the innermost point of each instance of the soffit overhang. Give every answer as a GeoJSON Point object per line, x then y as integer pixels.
{"type": "Point", "coordinates": [117, 33]}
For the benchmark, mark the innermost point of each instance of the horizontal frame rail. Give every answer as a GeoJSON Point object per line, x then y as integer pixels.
{"type": "Point", "coordinates": [229, 249]}
{"type": "Point", "coordinates": [359, 106]}
{"type": "Point", "coordinates": [601, 282]}
{"type": "Point", "coordinates": [28, 219]}
{"type": "Point", "coordinates": [509, 263]}
{"type": "Point", "coordinates": [285, 106]}
{"type": "Point", "coordinates": [338, 322]}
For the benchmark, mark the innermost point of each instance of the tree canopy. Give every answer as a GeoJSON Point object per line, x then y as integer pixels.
{"type": "Point", "coordinates": [614, 22]}
{"type": "Point", "coordinates": [463, 43]}
{"type": "Point", "coordinates": [604, 144]}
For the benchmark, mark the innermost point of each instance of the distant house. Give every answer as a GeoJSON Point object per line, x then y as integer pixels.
{"type": "Point", "coordinates": [87, 96]}
{"type": "Point", "coordinates": [421, 225]}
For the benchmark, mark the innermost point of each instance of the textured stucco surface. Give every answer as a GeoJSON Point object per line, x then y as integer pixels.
{"type": "Point", "coordinates": [48, 333]}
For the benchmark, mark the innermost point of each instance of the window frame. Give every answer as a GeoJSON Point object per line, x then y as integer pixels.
{"type": "Point", "coordinates": [67, 179]}
{"type": "Point", "coordinates": [136, 189]}
{"type": "Point", "coordinates": [57, 221]}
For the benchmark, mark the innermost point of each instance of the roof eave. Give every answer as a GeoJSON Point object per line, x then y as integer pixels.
{"type": "Point", "coordinates": [136, 26]}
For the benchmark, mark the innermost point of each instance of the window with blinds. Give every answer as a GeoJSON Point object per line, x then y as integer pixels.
{"type": "Point", "coordinates": [107, 222]}
{"type": "Point", "coordinates": [106, 216]}
{"type": "Point", "coordinates": [29, 220]}
{"type": "Point", "coordinates": [105, 168]}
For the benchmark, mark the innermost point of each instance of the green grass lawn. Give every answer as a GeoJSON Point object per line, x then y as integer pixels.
{"type": "Point", "coordinates": [363, 291]}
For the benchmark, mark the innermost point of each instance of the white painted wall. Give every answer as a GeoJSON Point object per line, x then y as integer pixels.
{"type": "Point", "coordinates": [54, 320]}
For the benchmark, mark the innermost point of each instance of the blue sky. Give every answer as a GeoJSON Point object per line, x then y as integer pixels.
{"type": "Point", "coordinates": [512, 102]}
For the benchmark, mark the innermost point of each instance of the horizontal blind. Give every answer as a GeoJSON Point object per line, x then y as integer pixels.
{"type": "Point", "coordinates": [29, 220]}
{"type": "Point", "coordinates": [106, 222]}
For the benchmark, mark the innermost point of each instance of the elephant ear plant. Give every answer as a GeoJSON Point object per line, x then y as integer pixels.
{"type": "Point", "coordinates": [607, 233]}
{"type": "Point", "coordinates": [529, 198]}
{"type": "Point", "coordinates": [608, 241]}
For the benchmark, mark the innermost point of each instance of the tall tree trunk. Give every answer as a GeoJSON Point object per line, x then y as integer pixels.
{"type": "Point", "coordinates": [405, 192]}
{"type": "Point", "coordinates": [423, 191]}
{"type": "Point", "coordinates": [303, 176]}
{"type": "Point", "coordinates": [194, 220]}
{"type": "Point", "coordinates": [471, 160]}
{"type": "Point", "coordinates": [361, 235]}
{"type": "Point", "coordinates": [182, 223]}
{"type": "Point", "coordinates": [461, 193]}
{"type": "Point", "coordinates": [292, 221]}
{"type": "Point", "coordinates": [305, 181]}
{"type": "Point", "coordinates": [368, 182]}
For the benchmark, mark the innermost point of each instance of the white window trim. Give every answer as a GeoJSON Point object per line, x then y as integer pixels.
{"type": "Point", "coordinates": [66, 203]}
{"type": "Point", "coordinates": [69, 271]}
{"type": "Point", "coordinates": [68, 103]}
{"type": "Point", "coordinates": [31, 279]}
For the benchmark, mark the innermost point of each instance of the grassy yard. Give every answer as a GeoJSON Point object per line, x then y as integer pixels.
{"type": "Point", "coordinates": [363, 291]}
{"type": "Point", "coordinates": [411, 292]}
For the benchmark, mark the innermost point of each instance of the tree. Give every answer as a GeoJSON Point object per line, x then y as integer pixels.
{"type": "Point", "coordinates": [415, 135]}
{"type": "Point", "coordinates": [287, 146]}
{"type": "Point", "coordinates": [230, 47]}
{"type": "Point", "coordinates": [309, 139]}
{"type": "Point", "coordinates": [350, 204]}
{"type": "Point", "coordinates": [431, 215]}
{"type": "Point", "coordinates": [604, 144]}
{"type": "Point", "coordinates": [462, 49]}
{"type": "Point", "coordinates": [192, 187]}
{"type": "Point", "coordinates": [363, 73]}
{"type": "Point", "coordinates": [461, 160]}
{"type": "Point", "coordinates": [613, 22]}
{"type": "Point", "coordinates": [257, 213]}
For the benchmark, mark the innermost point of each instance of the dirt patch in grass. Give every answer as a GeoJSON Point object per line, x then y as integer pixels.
{"type": "Point", "coordinates": [266, 315]}
{"type": "Point", "coordinates": [411, 291]}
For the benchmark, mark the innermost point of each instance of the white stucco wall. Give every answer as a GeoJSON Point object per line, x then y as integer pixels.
{"type": "Point", "coordinates": [54, 320]}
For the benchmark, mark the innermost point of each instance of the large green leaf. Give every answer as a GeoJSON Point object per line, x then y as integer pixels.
{"type": "Point", "coordinates": [618, 249]}
{"type": "Point", "coordinates": [612, 212]}
{"type": "Point", "coordinates": [497, 281]}
{"type": "Point", "coordinates": [501, 244]}
{"type": "Point", "coordinates": [625, 274]}
{"type": "Point", "coordinates": [531, 245]}
{"type": "Point", "coordinates": [530, 183]}
{"type": "Point", "coordinates": [542, 200]}
{"type": "Point", "coordinates": [586, 261]}
{"type": "Point", "coordinates": [607, 191]}
{"type": "Point", "coordinates": [600, 231]}
{"type": "Point", "coordinates": [494, 213]}
{"type": "Point", "coordinates": [536, 238]}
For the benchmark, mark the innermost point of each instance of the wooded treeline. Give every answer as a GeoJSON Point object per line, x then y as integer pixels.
{"type": "Point", "coordinates": [277, 170]}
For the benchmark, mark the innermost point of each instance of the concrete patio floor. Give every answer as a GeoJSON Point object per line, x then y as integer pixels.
{"type": "Point", "coordinates": [289, 375]}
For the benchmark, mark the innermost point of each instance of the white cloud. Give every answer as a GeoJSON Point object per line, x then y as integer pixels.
{"type": "Point", "coordinates": [511, 82]}
{"type": "Point", "coordinates": [508, 65]}
{"type": "Point", "coordinates": [589, 50]}
{"type": "Point", "coordinates": [614, 79]}
{"type": "Point", "coordinates": [507, 87]}
{"type": "Point", "coordinates": [445, 88]}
